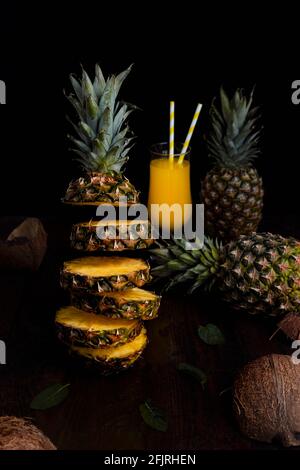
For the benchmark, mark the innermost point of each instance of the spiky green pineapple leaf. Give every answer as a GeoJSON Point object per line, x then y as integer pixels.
{"type": "Point", "coordinates": [99, 81]}
{"type": "Point", "coordinates": [120, 137]}
{"type": "Point", "coordinates": [80, 144]}
{"type": "Point", "coordinates": [92, 107]}
{"type": "Point", "coordinates": [76, 87]}
{"type": "Point", "coordinates": [77, 106]}
{"type": "Point", "coordinates": [102, 122]}
{"type": "Point", "coordinates": [87, 130]}
{"type": "Point", "coordinates": [107, 100]}
{"type": "Point", "coordinates": [225, 105]}
{"type": "Point", "coordinates": [105, 125]}
{"type": "Point", "coordinates": [87, 87]}
{"type": "Point", "coordinates": [179, 264]}
{"type": "Point", "coordinates": [120, 79]}
{"type": "Point", "coordinates": [99, 148]}
{"type": "Point", "coordinates": [121, 117]}
{"type": "Point", "coordinates": [234, 137]}
{"type": "Point", "coordinates": [79, 132]}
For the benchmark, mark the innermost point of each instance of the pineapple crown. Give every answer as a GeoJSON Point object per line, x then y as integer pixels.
{"type": "Point", "coordinates": [178, 264]}
{"type": "Point", "coordinates": [101, 143]}
{"type": "Point", "coordinates": [234, 134]}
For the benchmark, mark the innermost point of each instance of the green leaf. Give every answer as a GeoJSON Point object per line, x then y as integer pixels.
{"type": "Point", "coordinates": [211, 334]}
{"type": "Point", "coordinates": [77, 87]}
{"type": "Point", "coordinates": [87, 86]}
{"type": "Point", "coordinates": [153, 416]}
{"type": "Point", "coordinates": [92, 107]}
{"type": "Point", "coordinates": [51, 396]}
{"type": "Point", "coordinates": [119, 79]}
{"type": "Point", "coordinates": [99, 82]}
{"type": "Point", "coordinates": [194, 372]}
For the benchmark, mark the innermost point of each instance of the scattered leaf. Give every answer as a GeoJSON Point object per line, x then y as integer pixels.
{"type": "Point", "coordinates": [225, 391]}
{"type": "Point", "coordinates": [51, 396]}
{"type": "Point", "coordinates": [194, 372]}
{"type": "Point", "coordinates": [211, 334]}
{"type": "Point", "coordinates": [153, 417]}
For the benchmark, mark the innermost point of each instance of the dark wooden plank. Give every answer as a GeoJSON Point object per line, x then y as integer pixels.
{"type": "Point", "coordinates": [102, 412]}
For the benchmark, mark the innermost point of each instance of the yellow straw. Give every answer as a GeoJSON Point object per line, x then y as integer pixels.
{"type": "Point", "coordinates": [172, 130]}
{"type": "Point", "coordinates": [190, 133]}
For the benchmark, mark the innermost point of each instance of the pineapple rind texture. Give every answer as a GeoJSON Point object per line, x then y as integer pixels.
{"type": "Point", "coordinates": [233, 200]}
{"type": "Point", "coordinates": [123, 304]}
{"type": "Point", "coordinates": [102, 188]}
{"type": "Point", "coordinates": [113, 359]}
{"type": "Point", "coordinates": [79, 328]}
{"type": "Point", "coordinates": [119, 236]}
{"type": "Point", "coordinates": [259, 273]}
{"type": "Point", "coordinates": [93, 274]}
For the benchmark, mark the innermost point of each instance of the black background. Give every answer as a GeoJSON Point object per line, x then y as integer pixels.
{"type": "Point", "coordinates": [171, 62]}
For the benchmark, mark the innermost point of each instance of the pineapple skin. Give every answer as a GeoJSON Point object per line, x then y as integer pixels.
{"type": "Point", "coordinates": [259, 273]}
{"type": "Point", "coordinates": [85, 238]}
{"type": "Point", "coordinates": [91, 284]}
{"type": "Point", "coordinates": [110, 366]}
{"type": "Point", "coordinates": [73, 336]}
{"type": "Point", "coordinates": [233, 201]}
{"type": "Point", "coordinates": [97, 188]}
{"type": "Point", "coordinates": [116, 308]}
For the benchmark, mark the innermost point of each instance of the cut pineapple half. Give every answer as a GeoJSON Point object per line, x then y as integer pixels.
{"type": "Point", "coordinates": [80, 328]}
{"type": "Point", "coordinates": [100, 274]}
{"type": "Point", "coordinates": [130, 304]}
{"type": "Point", "coordinates": [134, 294]}
{"type": "Point", "coordinates": [111, 235]}
{"type": "Point", "coordinates": [106, 266]}
{"type": "Point", "coordinates": [73, 317]}
{"type": "Point", "coordinates": [124, 351]}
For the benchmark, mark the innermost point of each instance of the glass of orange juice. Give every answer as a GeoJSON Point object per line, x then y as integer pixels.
{"type": "Point", "coordinates": [169, 200]}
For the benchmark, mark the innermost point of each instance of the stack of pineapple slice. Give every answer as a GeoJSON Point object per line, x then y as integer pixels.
{"type": "Point", "coordinates": [104, 322]}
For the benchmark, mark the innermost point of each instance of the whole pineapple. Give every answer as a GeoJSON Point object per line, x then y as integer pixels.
{"type": "Point", "coordinates": [232, 191]}
{"type": "Point", "coordinates": [102, 140]}
{"type": "Point", "coordinates": [259, 273]}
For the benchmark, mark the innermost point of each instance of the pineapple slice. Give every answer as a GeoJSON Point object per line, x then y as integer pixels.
{"type": "Point", "coordinates": [131, 304]}
{"type": "Point", "coordinates": [115, 235]}
{"type": "Point", "coordinates": [113, 359]}
{"type": "Point", "coordinates": [95, 274]}
{"type": "Point", "coordinates": [85, 329]}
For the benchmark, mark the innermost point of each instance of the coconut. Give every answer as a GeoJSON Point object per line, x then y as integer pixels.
{"type": "Point", "coordinates": [21, 434]}
{"type": "Point", "coordinates": [266, 400]}
{"type": "Point", "coordinates": [25, 246]}
{"type": "Point", "coordinates": [290, 325]}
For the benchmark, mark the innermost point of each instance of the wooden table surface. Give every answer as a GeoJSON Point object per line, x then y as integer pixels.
{"type": "Point", "coordinates": [103, 412]}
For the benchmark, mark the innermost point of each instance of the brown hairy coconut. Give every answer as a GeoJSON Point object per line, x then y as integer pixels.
{"type": "Point", "coordinates": [266, 400]}
{"type": "Point", "coordinates": [21, 434]}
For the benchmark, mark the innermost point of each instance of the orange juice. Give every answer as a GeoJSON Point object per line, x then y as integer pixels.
{"type": "Point", "coordinates": [170, 184]}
